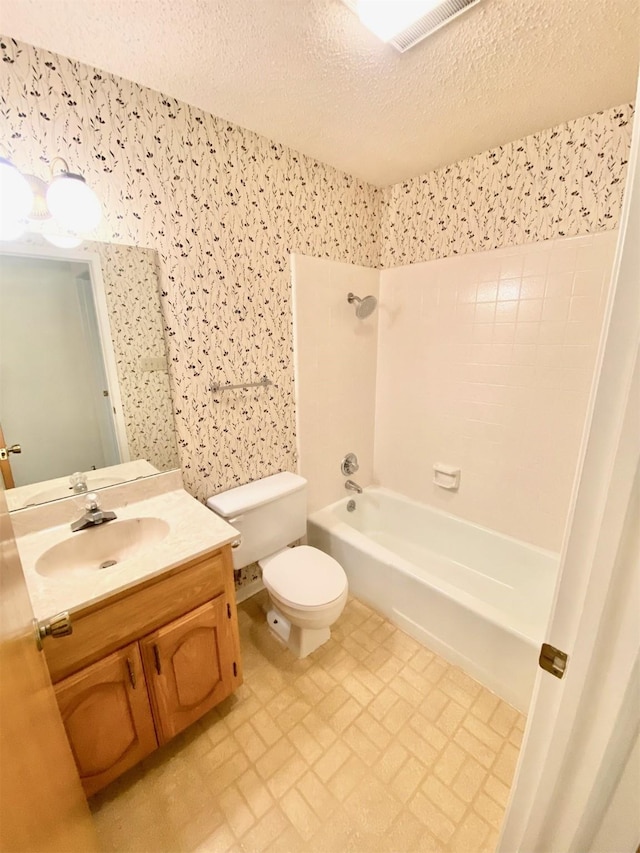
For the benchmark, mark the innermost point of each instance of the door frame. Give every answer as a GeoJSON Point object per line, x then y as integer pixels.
{"type": "Point", "coordinates": [92, 259]}
{"type": "Point", "coordinates": [6, 474]}
{"type": "Point", "coordinates": [581, 729]}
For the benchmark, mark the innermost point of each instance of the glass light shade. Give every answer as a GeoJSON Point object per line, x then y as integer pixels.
{"type": "Point", "coordinates": [387, 18]}
{"type": "Point", "coordinates": [72, 203]}
{"type": "Point", "coordinates": [11, 229]}
{"type": "Point", "coordinates": [62, 241]}
{"type": "Point", "coordinates": [16, 199]}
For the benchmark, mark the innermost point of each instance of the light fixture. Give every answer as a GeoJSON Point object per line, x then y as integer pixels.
{"type": "Point", "coordinates": [16, 199]}
{"type": "Point", "coordinates": [61, 239]}
{"type": "Point", "coordinates": [62, 211]}
{"type": "Point", "coordinates": [403, 23]}
{"type": "Point", "coordinates": [387, 18]}
{"type": "Point", "coordinates": [72, 201]}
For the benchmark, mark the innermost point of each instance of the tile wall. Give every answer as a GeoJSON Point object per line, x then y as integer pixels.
{"type": "Point", "coordinates": [335, 366]}
{"type": "Point", "coordinates": [485, 362]}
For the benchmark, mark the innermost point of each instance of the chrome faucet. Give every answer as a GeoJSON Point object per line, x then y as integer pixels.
{"type": "Point", "coordinates": [353, 487]}
{"type": "Point", "coordinates": [93, 514]}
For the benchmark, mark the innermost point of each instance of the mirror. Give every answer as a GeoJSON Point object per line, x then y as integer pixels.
{"type": "Point", "coordinates": [84, 384]}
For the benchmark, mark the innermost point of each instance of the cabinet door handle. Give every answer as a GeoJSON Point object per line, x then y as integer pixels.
{"type": "Point", "coordinates": [132, 675]}
{"type": "Point", "coordinates": [156, 655]}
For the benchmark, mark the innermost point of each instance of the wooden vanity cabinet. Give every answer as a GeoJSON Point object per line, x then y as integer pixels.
{"type": "Point", "coordinates": [145, 664]}
{"type": "Point", "coordinates": [106, 714]}
{"type": "Point", "coordinates": [189, 667]}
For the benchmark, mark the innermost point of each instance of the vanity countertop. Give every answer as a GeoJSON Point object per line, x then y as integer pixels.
{"type": "Point", "coordinates": [194, 530]}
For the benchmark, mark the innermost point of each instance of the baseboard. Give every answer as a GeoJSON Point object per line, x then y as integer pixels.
{"type": "Point", "coordinates": [249, 589]}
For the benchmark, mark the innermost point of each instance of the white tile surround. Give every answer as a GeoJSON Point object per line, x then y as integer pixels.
{"type": "Point", "coordinates": [484, 361]}
{"type": "Point", "coordinates": [335, 369]}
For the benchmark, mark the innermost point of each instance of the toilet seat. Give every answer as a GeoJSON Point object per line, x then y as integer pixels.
{"type": "Point", "coordinates": [304, 577]}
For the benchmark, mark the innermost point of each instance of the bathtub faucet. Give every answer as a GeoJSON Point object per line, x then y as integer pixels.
{"type": "Point", "coordinates": [350, 486]}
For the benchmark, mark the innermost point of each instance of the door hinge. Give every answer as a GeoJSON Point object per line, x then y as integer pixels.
{"type": "Point", "coordinates": [235, 668]}
{"type": "Point", "coordinates": [228, 611]}
{"type": "Point", "coordinates": [553, 660]}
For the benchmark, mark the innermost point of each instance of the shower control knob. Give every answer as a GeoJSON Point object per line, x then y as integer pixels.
{"type": "Point", "coordinates": [349, 464]}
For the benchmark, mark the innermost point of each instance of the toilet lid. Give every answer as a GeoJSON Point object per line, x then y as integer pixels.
{"type": "Point", "coordinates": [304, 576]}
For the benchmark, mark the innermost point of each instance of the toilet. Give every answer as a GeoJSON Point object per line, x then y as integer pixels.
{"type": "Point", "coordinates": [307, 588]}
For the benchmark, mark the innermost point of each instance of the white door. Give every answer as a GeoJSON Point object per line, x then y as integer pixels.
{"type": "Point", "coordinates": [577, 787]}
{"type": "Point", "coordinates": [52, 375]}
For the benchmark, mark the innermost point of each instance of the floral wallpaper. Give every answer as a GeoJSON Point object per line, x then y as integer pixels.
{"type": "Point", "coordinates": [130, 277]}
{"type": "Point", "coordinates": [561, 182]}
{"type": "Point", "coordinates": [224, 208]}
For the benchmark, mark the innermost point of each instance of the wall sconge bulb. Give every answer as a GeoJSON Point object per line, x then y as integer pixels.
{"type": "Point", "coordinates": [72, 203]}
{"type": "Point", "coordinates": [16, 199]}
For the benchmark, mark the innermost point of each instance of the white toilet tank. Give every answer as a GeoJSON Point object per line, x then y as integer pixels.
{"type": "Point", "coordinates": [269, 514]}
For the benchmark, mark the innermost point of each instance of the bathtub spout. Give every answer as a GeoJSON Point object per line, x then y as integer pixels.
{"type": "Point", "coordinates": [350, 486]}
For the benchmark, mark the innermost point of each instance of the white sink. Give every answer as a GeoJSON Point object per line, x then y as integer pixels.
{"type": "Point", "coordinates": [102, 547]}
{"type": "Point", "coordinates": [150, 536]}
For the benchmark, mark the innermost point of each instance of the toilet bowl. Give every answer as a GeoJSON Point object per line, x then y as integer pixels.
{"type": "Point", "coordinates": [308, 588]}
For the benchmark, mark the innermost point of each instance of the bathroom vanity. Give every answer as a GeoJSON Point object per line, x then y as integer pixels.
{"type": "Point", "coordinates": [154, 642]}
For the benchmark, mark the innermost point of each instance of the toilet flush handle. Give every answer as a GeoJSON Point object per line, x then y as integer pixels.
{"type": "Point", "coordinates": [236, 542]}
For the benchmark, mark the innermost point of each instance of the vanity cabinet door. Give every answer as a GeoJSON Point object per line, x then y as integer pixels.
{"type": "Point", "coordinates": [106, 714]}
{"type": "Point", "coordinates": [189, 666]}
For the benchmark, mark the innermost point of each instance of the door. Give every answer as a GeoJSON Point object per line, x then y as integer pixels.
{"type": "Point", "coordinates": [106, 714]}
{"type": "Point", "coordinates": [189, 666]}
{"type": "Point", "coordinates": [582, 728]}
{"type": "Point", "coordinates": [42, 806]}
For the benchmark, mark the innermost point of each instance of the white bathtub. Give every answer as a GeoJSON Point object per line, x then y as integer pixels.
{"type": "Point", "coordinates": [476, 597]}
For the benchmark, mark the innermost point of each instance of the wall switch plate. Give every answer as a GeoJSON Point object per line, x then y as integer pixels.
{"type": "Point", "coordinates": [153, 362]}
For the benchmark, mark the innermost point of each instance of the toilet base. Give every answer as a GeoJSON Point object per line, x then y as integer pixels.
{"type": "Point", "coordinates": [304, 641]}
{"type": "Point", "coordinates": [300, 641]}
{"type": "Point", "coordinates": [278, 625]}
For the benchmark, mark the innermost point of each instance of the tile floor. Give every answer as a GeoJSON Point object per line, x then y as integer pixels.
{"type": "Point", "coordinates": [372, 743]}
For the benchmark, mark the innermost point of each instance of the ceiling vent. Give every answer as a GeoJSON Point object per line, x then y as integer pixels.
{"type": "Point", "coordinates": [431, 21]}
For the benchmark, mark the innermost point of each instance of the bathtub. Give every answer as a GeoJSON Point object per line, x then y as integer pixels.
{"type": "Point", "coordinates": [474, 596]}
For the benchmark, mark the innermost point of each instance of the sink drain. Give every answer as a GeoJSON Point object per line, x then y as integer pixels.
{"type": "Point", "coordinates": [107, 564]}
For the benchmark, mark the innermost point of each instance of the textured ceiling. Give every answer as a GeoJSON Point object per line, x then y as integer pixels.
{"type": "Point", "coordinates": [307, 74]}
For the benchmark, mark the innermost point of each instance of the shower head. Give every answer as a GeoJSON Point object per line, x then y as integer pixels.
{"type": "Point", "coordinates": [364, 307]}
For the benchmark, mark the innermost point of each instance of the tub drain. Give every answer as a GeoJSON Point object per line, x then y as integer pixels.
{"type": "Point", "coordinates": [107, 564]}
